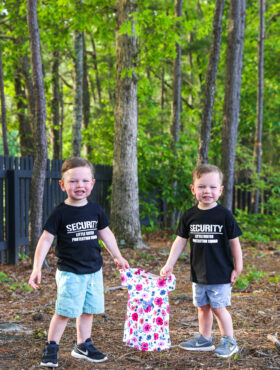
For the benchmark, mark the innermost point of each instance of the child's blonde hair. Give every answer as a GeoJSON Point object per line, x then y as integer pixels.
{"type": "Point", "coordinates": [206, 168]}
{"type": "Point", "coordinates": [76, 162]}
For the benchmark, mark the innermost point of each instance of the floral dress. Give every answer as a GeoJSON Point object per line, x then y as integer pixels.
{"type": "Point", "coordinates": [147, 320]}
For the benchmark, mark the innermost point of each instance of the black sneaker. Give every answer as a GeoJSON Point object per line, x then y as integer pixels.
{"type": "Point", "coordinates": [88, 352]}
{"type": "Point", "coordinates": [50, 351]}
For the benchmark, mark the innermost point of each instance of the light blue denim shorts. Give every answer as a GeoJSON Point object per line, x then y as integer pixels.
{"type": "Point", "coordinates": [77, 294]}
{"type": "Point", "coordinates": [217, 296]}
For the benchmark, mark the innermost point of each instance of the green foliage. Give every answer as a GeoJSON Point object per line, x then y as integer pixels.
{"type": "Point", "coordinates": [157, 32]}
{"type": "Point", "coordinates": [258, 227]}
{"type": "Point", "coordinates": [3, 277]}
{"type": "Point", "coordinates": [12, 285]}
{"type": "Point", "coordinates": [252, 275]}
{"type": "Point", "coordinates": [274, 279]}
{"type": "Point", "coordinates": [23, 256]}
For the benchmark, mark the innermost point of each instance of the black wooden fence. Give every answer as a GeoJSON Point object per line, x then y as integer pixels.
{"type": "Point", "coordinates": [15, 178]}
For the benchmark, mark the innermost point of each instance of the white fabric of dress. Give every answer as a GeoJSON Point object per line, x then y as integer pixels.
{"type": "Point", "coordinates": [147, 321]}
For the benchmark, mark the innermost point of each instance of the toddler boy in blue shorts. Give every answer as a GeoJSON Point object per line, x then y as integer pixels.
{"type": "Point", "coordinates": [216, 260]}
{"type": "Point", "coordinates": [78, 224]}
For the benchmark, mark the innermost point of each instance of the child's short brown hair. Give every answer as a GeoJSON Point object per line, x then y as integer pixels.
{"type": "Point", "coordinates": [76, 162]}
{"type": "Point", "coordinates": [206, 168]}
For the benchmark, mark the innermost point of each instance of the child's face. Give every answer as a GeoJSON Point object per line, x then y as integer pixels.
{"type": "Point", "coordinates": [77, 183]}
{"type": "Point", "coordinates": [207, 190]}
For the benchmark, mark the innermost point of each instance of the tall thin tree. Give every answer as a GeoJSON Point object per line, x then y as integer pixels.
{"type": "Point", "coordinates": [259, 120]}
{"type": "Point", "coordinates": [176, 95]}
{"type": "Point", "coordinates": [125, 198]}
{"type": "Point", "coordinates": [25, 130]}
{"type": "Point", "coordinates": [236, 29]}
{"type": "Point", "coordinates": [56, 145]}
{"type": "Point", "coordinates": [40, 140]}
{"type": "Point", "coordinates": [3, 108]}
{"type": "Point", "coordinates": [78, 106]}
{"type": "Point", "coordinates": [210, 84]}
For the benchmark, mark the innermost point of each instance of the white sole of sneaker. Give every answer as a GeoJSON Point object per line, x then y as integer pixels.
{"type": "Point", "coordinates": [203, 349]}
{"type": "Point", "coordinates": [84, 357]}
{"type": "Point", "coordinates": [48, 364]}
{"type": "Point", "coordinates": [227, 356]}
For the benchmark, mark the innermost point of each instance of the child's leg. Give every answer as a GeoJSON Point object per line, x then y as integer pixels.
{"type": "Point", "coordinates": [224, 321]}
{"type": "Point", "coordinates": [205, 320]}
{"type": "Point", "coordinates": [57, 327]}
{"type": "Point", "coordinates": [84, 325]}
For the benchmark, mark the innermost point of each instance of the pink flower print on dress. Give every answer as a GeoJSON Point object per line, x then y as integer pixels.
{"type": "Point", "coordinates": [158, 301]}
{"type": "Point", "coordinates": [135, 316]}
{"type": "Point", "coordinates": [123, 279]}
{"type": "Point", "coordinates": [159, 321]}
{"type": "Point", "coordinates": [140, 310]}
{"type": "Point", "coordinates": [144, 346]}
{"type": "Point", "coordinates": [161, 283]}
{"type": "Point", "coordinates": [149, 299]}
{"type": "Point", "coordinates": [148, 309]}
{"type": "Point", "coordinates": [147, 328]}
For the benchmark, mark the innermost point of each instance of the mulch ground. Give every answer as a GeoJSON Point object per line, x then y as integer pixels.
{"type": "Point", "coordinates": [255, 312]}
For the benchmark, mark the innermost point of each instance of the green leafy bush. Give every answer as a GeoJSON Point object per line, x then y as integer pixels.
{"type": "Point", "coordinates": [252, 275]}
{"type": "Point", "coordinates": [258, 227]}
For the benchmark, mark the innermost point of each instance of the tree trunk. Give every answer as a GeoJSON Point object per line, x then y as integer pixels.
{"type": "Point", "coordinates": [78, 106]}
{"type": "Point", "coordinates": [40, 140]}
{"type": "Point", "coordinates": [259, 123]}
{"type": "Point", "coordinates": [95, 67]}
{"type": "Point", "coordinates": [125, 199]}
{"type": "Point", "coordinates": [176, 101]}
{"type": "Point", "coordinates": [234, 57]}
{"type": "Point", "coordinates": [55, 107]}
{"type": "Point", "coordinates": [61, 120]}
{"type": "Point", "coordinates": [25, 130]}
{"type": "Point", "coordinates": [86, 99]}
{"type": "Point", "coordinates": [210, 84]}
{"type": "Point", "coordinates": [3, 108]}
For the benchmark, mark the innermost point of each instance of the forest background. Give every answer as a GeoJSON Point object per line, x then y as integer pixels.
{"type": "Point", "coordinates": [165, 161]}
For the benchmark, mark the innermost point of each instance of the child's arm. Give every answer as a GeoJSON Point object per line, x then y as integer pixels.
{"type": "Point", "coordinates": [111, 245]}
{"type": "Point", "coordinates": [237, 257]}
{"type": "Point", "coordinates": [177, 248]}
{"type": "Point", "coordinates": [42, 249]}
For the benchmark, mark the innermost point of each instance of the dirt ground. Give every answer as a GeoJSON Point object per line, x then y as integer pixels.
{"type": "Point", "coordinates": [255, 312]}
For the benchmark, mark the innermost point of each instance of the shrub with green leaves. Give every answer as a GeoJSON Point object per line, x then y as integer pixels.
{"type": "Point", "coordinates": [252, 275]}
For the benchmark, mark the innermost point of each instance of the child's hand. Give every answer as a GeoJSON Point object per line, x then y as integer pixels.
{"type": "Point", "coordinates": [121, 263]}
{"type": "Point", "coordinates": [234, 276]}
{"type": "Point", "coordinates": [35, 276]}
{"type": "Point", "coordinates": [166, 271]}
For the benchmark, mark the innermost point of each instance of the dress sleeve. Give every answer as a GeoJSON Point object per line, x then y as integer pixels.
{"type": "Point", "coordinates": [171, 282]}
{"type": "Point", "coordinates": [126, 277]}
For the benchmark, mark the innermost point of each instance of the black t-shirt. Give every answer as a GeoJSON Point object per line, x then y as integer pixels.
{"type": "Point", "coordinates": [76, 228]}
{"type": "Point", "coordinates": [209, 232]}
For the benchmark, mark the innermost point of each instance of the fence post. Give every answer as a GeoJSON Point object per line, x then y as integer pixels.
{"type": "Point", "coordinates": [13, 217]}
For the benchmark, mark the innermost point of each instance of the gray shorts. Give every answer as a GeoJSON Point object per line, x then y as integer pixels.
{"type": "Point", "coordinates": [217, 296]}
